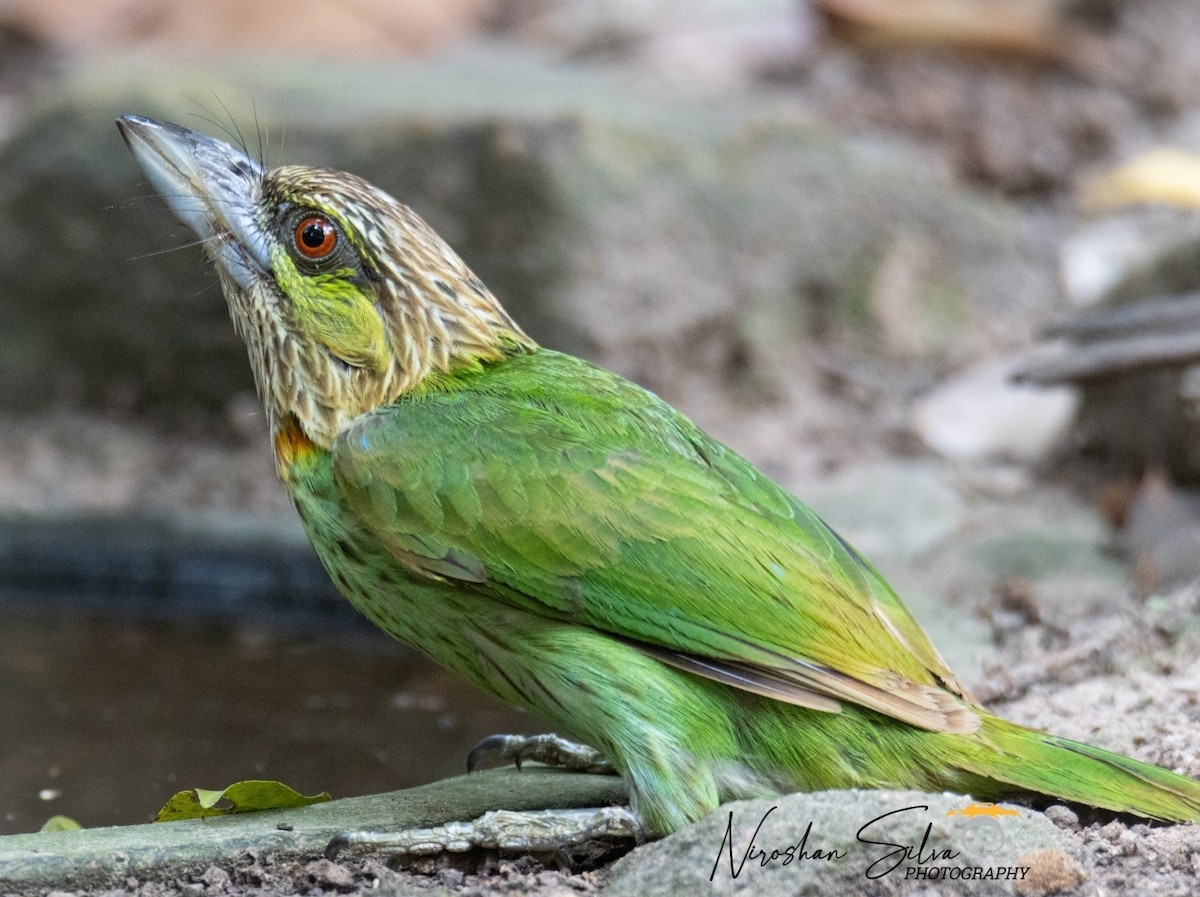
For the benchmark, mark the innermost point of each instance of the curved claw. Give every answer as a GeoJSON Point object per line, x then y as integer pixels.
{"type": "Point", "coordinates": [552, 750]}
{"type": "Point", "coordinates": [337, 844]}
{"type": "Point", "coordinates": [498, 744]}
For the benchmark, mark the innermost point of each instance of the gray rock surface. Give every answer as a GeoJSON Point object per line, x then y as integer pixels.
{"type": "Point", "coordinates": [107, 857]}
{"type": "Point", "coordinates": [843, 842]}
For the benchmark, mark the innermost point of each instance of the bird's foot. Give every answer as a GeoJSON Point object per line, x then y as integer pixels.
{"type": "Point", "coordinates": [550, 832]}
{"type": "Point", "coordinates": [548, 749]}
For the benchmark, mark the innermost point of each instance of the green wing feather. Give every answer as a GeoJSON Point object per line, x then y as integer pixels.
{"type": "Point", "coordinates": [562, 489]}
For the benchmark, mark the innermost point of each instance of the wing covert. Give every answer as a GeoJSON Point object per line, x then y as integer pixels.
{"type": "Point", "coordinates": [559, 488]}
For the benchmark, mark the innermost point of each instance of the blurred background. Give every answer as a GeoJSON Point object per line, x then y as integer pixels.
{"type": "Point", "coordinates": [932, 264]}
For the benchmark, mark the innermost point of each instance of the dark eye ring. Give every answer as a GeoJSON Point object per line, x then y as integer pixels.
{"type": "Point", "coordinates": [315, 237]}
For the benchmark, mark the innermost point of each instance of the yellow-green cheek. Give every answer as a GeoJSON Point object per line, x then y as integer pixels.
{"type": "Point", "coordinates": [335, 311]}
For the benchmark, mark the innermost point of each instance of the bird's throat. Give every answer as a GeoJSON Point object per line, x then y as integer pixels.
{"type": "Point", "coordinates": [292, 447]}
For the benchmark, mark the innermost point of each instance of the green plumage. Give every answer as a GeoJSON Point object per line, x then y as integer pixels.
{"type": "Point", "coordinates": [546, 529]}
{"type": "Point", "coordinates": [569, 542]}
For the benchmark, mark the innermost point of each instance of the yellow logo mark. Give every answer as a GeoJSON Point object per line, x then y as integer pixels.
{"type": "Point", "coordinates": [982, 808]}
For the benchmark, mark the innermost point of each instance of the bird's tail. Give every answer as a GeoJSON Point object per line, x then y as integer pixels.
{"type": "Point", "coordinates": [1027, 760]}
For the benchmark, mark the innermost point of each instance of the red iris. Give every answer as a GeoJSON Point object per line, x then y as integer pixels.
{"type": "Point", "coordinates": [315, 237]}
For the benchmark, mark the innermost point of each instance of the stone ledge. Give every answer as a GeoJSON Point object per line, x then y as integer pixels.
{"type": "Point", "coordinates": [106, 857]}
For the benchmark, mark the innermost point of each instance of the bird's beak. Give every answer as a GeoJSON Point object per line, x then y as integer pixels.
{"type": "Point", "coordinates": [211, 187]}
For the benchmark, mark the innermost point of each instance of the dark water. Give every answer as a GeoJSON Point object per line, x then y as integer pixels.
{"type": "Point", "coordinates": [103, 719]}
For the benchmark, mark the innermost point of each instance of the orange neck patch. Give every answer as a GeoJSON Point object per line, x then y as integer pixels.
{"type": "Point", "coordinates": [292, 446]}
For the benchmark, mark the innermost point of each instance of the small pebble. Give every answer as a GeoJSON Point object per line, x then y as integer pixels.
{"type": "Point", "coordinates": [981, 415]}
{"type": "Point", "coordinates": [452, 878]}
{"type": "Point", "coordinates": [1051, 871]}
{"type": "Point", "coordinates": [216, 878]}
{"type": "Point", "coordinates": [1064, 817]}
{"type": "Point", "coordinates": [1128, 843]}
{"type": "Point", "coordinates": [328, 875]}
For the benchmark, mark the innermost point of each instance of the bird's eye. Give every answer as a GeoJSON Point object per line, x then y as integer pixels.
{"type": "Point", "coordinates": [315, 237]}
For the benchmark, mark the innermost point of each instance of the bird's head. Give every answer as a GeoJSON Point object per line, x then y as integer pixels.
{"type": "Point", "coordinates": [345, 298]}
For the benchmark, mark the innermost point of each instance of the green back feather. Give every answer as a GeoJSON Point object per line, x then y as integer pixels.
{"type": "Point", "coordinates": [575, 494]}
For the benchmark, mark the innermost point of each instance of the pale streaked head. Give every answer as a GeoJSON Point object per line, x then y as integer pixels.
{"type": "Point", "coordinates": [344, 297]}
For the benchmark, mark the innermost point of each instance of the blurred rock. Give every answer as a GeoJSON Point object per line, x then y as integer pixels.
{"type": "Point", "coordinates": [1161, 72]}
{"type": "Point", "coordinates": [707, 44]}
{"type": "Point", "coordinates": [981, 415]}
{"type": "Point", "coordinates": [1034, 29]}
{"type": "Point", "coordinates": [1136, 253]}
{"type": "Point", "coordinates": [364, 26]}
{"type": "Point", "coordinates": [668, 238]}
{"type": "Point", "coordinates": [1139, 421]}
{"type": "Point", "coordinates": [896, 510]}
{"type": "Point", "coordinates": [1022, 129]}
{"type": "Point", "coordinates": [1132, 353]}
{"type": "Point", "coordinates": [1161, 536]}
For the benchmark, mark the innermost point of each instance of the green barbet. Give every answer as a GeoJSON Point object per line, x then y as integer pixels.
{"type": "Point", "coordinates": [568, 541]}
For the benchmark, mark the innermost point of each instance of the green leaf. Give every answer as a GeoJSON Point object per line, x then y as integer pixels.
{"type": "Point", "coordinates": [241, 797]}
{"type": "Point", "coordinates": [60, 824]}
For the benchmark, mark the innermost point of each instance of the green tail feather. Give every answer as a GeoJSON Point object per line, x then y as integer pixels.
{"type": "Point", "coordinates": [1073, 771]}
